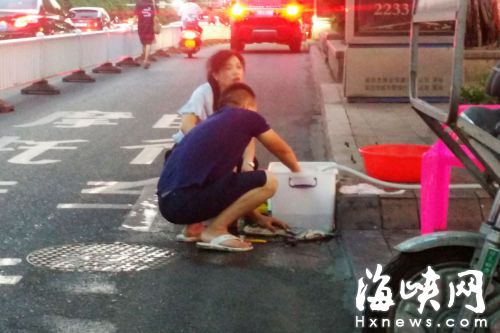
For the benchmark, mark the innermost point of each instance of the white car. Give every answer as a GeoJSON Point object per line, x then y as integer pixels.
{"type": "Point", "coordinates": [90, 18]}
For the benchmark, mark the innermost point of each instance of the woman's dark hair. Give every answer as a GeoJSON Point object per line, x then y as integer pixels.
{"type": "Point", "coordinates": [215, 63]}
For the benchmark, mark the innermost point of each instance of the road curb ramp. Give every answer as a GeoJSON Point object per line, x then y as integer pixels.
{"type": "Point", "coordinates": [41, 87]}
{"type": "Point", "coordinates": [107, 68]}
{"type": "Point", "coordinates": [79, 76]}
{"type": "Point", "coordinates": [5, 107]}
{"type": "Point", "coordinates": [128, 62]}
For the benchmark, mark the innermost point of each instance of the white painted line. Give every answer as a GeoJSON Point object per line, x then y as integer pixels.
{"type": "Point", "coordinates": [93, 288]}
{"type": "Point", "coordinates": [150, 150]}
{"type": "Point", "coordinates": [85, 284]}
{"type": "Point", "coordinates": [11, 280]}
{"type": "Point", "coordinates": [10, 261]}
{"type": "Point", "coordinates": [149, 216]}
{"type": "Point", "coordinates": [80, 119]}
{"type": "Point", "coordinates": [147, 157]}
{"type": "Point", "coordinates": [168, 121]}
{"type": "Point", "coordinates": [7, 183]}
{"type": "Point", "coordinates": [114, 187]}
{"type": "Point", "coordinates": [70, 325]}
{"type": "Point", "coordinates": [145, 210]}
{"type": "Point", "coordinates": [93, 206]}
{"type": "Point", "coordinates": [99, 183]}
{"type": "Point", "coordinates": [135, 228]}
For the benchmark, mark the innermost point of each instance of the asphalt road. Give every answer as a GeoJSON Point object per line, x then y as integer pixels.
{"type": "Point", "coordinates": [73, 167]}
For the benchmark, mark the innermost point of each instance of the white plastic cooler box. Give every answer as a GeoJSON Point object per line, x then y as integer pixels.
{"type": "Point", "coordinates": [305, 200]}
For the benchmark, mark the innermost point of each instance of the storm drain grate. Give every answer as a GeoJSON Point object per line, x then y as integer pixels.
{"type": "Point", "coordinates": [116, 257]}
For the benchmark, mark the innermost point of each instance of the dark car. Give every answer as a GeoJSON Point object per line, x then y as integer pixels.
{"type": "Point", "coordinates": [90, 18]}
{"type": "Point", "coordinates": [260, 21]}
{"type": "Point", "coordinates": [26, 18]}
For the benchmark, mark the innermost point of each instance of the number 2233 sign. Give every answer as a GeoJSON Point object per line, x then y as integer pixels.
{"type": "Point", "coordinates": [373, 17]}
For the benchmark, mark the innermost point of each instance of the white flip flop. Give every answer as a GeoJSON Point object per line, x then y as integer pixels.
{"type": "Point", "coordinates": [215, 244]}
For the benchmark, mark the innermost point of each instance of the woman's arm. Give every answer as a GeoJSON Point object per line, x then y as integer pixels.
{"type": "Point", "coordinates": [197, 108]}
{"type": "Point", "coordinates": [249, 157]}
{"type": "Point", "coordinates": [188, 121]}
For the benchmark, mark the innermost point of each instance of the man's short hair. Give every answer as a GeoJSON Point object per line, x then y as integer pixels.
{"type": "Point", "coordinates": [237, 94]}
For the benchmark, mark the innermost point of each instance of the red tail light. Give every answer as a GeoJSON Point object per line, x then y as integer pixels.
{"type": "Point", "coordinates": [293, 11]}
{"type": "Point", "coordinates": [23, 21]}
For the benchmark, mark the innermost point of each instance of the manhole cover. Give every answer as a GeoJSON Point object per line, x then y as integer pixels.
{"type": "Point", "coordinates": [116, 257]}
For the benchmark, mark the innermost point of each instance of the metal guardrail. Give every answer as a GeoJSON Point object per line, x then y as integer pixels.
{"type": "Point", "coordinates": [23, 61]}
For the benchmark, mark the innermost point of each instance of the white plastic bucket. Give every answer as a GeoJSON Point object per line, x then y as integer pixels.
{"type": "Point", "coordinates": [305, 200]}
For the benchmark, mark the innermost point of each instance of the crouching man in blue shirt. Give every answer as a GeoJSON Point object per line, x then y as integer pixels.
{"type": "Point", "coordinates": [198, 181]}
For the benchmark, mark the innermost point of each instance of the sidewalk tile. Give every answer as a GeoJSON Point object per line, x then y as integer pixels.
{"type": "Point", "coordinates": [399, 213]}
{"type": "Point", "coordinates": [358, 212]}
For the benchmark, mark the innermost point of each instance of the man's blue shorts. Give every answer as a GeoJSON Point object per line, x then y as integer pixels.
{"type": "Point", "coordinates": [199, 203]}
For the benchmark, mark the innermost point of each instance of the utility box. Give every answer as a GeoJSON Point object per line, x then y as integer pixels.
{"type": "Point", "coordinates": [305, 200]}
{"type": "Point", "coordinates": [376, 59]}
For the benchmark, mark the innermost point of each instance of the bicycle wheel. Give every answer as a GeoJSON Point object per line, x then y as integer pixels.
{"type": "Point", "coordinates": [447, 262]}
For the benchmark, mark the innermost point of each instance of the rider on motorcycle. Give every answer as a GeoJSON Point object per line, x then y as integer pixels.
{"type": "Point", "coordinates": [190, 13]}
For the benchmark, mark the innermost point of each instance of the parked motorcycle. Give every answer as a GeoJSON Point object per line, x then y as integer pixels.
{"type": "Point", "coordinates": [450, 253]}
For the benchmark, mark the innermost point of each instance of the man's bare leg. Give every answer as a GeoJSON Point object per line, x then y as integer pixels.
{"type": "Point", "coordinates": [245, 204]}
{"type": "Point", "coordinates": [194, 230]}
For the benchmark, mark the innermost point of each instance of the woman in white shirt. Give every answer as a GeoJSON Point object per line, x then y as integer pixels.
{"type": "Point", "coordinates": [224, 68]}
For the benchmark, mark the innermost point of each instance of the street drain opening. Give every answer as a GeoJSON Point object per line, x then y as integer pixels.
{"type": "Point", "coordinates": [116, 257]}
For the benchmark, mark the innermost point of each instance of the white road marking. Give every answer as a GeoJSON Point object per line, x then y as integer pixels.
{"type": "Point", "coordinates": [80, 119]}
{"type": "Point", "coordinates": [60, 324]}
{"type": "Point", "coordinates": [8, 183]}
{"type": "Point", "coordinates": [96, 288]}
{"type": "Point", "coordinates": [10, 279]}
{"type": "Point", "coordinates": [10, 261]}
{"type": "Point", "coordinates": [149, 216]}
{"type": "Point", "coordinates": [33, 149]}
{"type": "Point", "coordinates": [93, 206]}
{"type": "Point", "coordinates": [144, 213]}
{"type": "Point", "coordinates": [85, 284]}
{"type": "Point", "coordinates": [150, 150]}
{"type": "Point", "coordinates": [113, 187]}
{"type": "Point", "coordinates": [168, 121]}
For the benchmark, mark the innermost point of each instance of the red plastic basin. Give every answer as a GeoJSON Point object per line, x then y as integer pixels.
{"type": "Point", "coordinates": [394, 162]}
